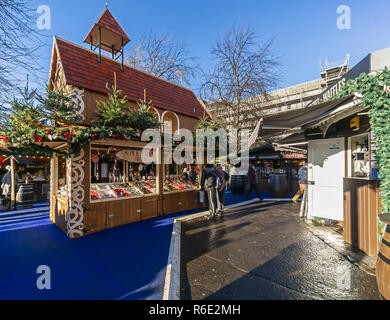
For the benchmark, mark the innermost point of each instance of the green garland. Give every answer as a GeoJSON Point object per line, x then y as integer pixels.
{"type": "Point", "coordinates": [25, 130]}
{"type": "Point", "coordinates": [376, 97]}
{"type": "Point", "coordinates": [76, 138]}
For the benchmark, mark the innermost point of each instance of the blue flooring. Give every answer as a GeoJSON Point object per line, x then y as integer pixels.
{"type": "Point", "coordinates": [127, 262]}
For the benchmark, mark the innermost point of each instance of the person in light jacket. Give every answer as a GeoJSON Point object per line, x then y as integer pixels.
{"type": "Point", "coordinates": [6, 182]}
{"type": "Point", "coordinates": [302, 180]}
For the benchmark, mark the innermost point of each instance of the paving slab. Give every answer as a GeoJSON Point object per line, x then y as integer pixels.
{"type": "Point", "coordinates": [264, 251]}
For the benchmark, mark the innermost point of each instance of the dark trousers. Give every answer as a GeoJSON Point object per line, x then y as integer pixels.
{"type": "Point", "coordinates": [253, 187]}
{"type": "Point", "coordinates": [221, 199]}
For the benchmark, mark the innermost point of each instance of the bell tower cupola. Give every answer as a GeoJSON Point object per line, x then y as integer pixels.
{"type": "Point", "coordinates": [108, 35]}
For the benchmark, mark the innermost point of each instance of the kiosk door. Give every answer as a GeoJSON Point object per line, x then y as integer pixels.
{"type": "Point", "coordinates": [326, 170]}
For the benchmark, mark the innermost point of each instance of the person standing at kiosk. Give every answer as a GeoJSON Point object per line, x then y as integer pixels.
{"type": "Point", "coordinates": [302, 180]}
{"type": "Point", "coordinates": [210, 184]}
{"type": "Point", "coordinates": [252, 183]}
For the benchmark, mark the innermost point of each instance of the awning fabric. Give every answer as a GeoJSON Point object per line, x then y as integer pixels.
{"type": "Point", "coordinates": [21, 160]}
{"type": "Point", "coordinates": [288, 121]}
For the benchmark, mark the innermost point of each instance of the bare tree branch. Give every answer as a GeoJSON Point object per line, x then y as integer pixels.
{"type": "Point", "coordinates": [160, 56]}
{"type": "Point", "coordinates": [19, 42]}
{"type": "Point", "coordinates": [245, 68]}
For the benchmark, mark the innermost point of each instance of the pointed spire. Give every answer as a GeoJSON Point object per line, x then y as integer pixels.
{"type": "Point", "coordinates": [112, 34]}
{"type": "Point", "coordinates": [108, 35]}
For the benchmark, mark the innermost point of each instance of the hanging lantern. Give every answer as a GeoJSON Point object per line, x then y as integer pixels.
{"type": "Point", "coordinates": [95, 158]}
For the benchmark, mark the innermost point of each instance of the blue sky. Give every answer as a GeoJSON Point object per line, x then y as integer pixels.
{"type": "Point", "coordinates": [304, 31]}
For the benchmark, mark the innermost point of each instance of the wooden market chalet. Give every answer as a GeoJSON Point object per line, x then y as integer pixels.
{"type": "Point", "coordinates": [107, 185]}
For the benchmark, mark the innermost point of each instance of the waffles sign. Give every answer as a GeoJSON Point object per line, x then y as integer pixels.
{"type": "Point", "coordinates": [133, 156]}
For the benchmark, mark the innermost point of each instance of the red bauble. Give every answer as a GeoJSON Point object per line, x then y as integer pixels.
{"type": "Point", "coordinates": [67, 135]}
{"type": "Point", "coordinates": [37, 138]}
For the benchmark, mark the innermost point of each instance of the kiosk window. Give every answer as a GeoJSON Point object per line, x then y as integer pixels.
{"type": "Point", "coordinates": [360, 156]}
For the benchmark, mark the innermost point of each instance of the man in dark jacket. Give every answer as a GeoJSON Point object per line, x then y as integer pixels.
{"type": "Point", "coordinates": [210, 184]}
{"type": "Point", "coordinates": [252, 182]}
{"type": "Point", "coordinates": [192, 175]}
{"type": "Point", "coordinates": [221, 191]}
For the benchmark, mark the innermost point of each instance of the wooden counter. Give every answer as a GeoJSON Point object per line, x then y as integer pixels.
{"type": "Point", "coordinates": [361, 208]}
{"type": "Point", "coordinates": [109, 213]}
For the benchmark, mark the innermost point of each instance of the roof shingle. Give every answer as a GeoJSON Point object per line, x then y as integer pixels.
{"type": "Point", "coordinates": [82, 69]}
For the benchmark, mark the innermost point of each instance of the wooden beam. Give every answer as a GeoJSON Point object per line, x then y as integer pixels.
{"type": "Point", "coordinates": [100, 44]}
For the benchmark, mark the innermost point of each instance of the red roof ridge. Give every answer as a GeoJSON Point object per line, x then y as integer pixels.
{"type": "Point", "coordinates": [126, 65]}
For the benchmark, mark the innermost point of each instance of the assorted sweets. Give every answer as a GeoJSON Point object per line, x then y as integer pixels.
{"type": "Point", "coordinates": [121, 190]}
{"type": "Point", "coordinates": [178, 184]}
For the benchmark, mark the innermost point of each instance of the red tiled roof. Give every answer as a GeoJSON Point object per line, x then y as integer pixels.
{"type": "Point", "coordinates": [82, 69]}
{"type": "Point", "coordinates": [108, 22]}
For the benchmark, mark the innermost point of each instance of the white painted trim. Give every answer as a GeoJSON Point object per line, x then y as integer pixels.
{"type": "Point", "coordinates": [177, 117]}
{"type": "Point", "coordinates": [158, 113]}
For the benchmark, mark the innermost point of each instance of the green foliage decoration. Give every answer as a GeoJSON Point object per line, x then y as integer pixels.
{"type": "Point", "coordinates": [375, 91]}
{"type": "Point", "coordinates": [29, 127]}
{"type": "Point", "coordinates": [114, 112]}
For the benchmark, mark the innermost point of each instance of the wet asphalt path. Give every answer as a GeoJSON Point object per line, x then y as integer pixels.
{"type": "Point", "coordinates": [263, 251]}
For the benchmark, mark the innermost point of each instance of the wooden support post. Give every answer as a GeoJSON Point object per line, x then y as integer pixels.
{"type": "Point", "coordinates": [53, 187]}
{"type": "Point", "coordinates": [123, 57]}
{"type": "Point", "coordinates": [160, 179]}
{"type": "Point", "coordinates": [100, 44]}
{"type": "Point", "coordinates": [13, 183]}
{"type": "Point", "coordinates": [127, 172]}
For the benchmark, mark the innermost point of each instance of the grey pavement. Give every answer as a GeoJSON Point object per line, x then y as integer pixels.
{"type": "Point", "coordinates": [264, 251]}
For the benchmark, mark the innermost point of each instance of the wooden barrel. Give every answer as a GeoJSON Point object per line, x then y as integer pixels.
{"type": "Point", "coordinates": [238, 184]}
{"type": "Point", "coordinates": [24, 196]}
{"type": "Point", "coordinates": [383, 265]}
{"type": "Point", "coordinates": [4, 204]}
{"type": "Point", "coordinates": [278, 186]}
{"type": "Point", "coordinates": [263, 185]}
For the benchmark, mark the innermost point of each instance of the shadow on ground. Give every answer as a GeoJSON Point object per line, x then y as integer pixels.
{"type": "Point", "coordinates": [262, 251]}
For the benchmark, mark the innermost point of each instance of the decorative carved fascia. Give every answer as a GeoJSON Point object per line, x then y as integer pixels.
{"type": "Point", "coordinates": [76, 195]}
{"type": "Point", "coordinates": [77, 98]}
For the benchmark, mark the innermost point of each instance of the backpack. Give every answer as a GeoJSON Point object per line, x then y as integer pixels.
{"type": "Point", "coordinates": [212, 181]}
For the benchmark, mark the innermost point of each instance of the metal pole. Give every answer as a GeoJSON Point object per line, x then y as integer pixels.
{"type": "Point", "coordinates": [303, 210]}
{"type": "Point", "coordinates": [91, 42]}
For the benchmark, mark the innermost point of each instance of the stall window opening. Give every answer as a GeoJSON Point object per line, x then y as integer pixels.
{"type": "Point", "coordinates": [119, 173]}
